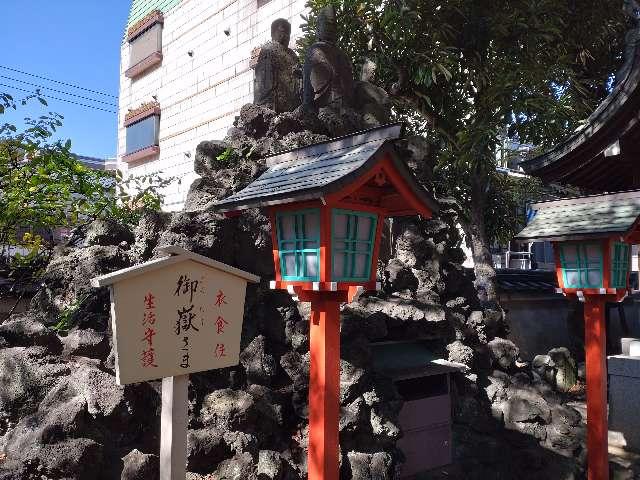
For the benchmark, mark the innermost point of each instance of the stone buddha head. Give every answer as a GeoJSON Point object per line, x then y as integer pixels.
{"type": "Point", "coordinates": [281, 32]}
{"type": "Point", "coordinates": [327, 27]}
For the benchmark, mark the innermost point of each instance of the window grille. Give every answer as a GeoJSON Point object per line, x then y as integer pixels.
{"type": "Point", "coordinates": [353, 235]}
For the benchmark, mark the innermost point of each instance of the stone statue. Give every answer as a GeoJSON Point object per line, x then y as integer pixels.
{"type": "Point", "coordinates": [327, 71]}
{"type": "Point", "coordinates": [277, 71]}
{"type": "Point", "coordinates": [373, 102]}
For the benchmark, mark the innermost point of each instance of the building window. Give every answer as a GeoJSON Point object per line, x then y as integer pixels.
{"type": "Point", "coordinates": [353, 235]}
{"type": "Point", "coordinates": [142, 133]}
{"type": "Point", "coordinates": [299, 245]}
{"type": "Point", "coordinates": [145, 44]}
{"type": "Point", "coordinates": [620, 260]}
{"type": "Point", "coordinates": [581, 265]}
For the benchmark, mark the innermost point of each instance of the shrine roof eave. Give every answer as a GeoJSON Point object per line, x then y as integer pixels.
{"type": "Point", "coordinates": [584, 218]}
{"type": "Point", "coordinates": [314, 172]}
{"type": "Point", "coordinates": [615, 117]}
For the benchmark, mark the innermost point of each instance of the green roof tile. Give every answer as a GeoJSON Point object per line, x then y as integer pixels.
{"type": "Point", "coordinates": [141, 8]}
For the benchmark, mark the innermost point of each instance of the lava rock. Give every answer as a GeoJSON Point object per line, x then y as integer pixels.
{"type": "Point", "coordinates": [503, 353]}
{"type": "Point", "coordinates": [140, 466]}
{"type": "Point", "coordinates": [108, 231]}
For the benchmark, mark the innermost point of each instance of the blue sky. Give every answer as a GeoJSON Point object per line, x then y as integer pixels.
{"type": "Point", "coordinates": [72, 41]}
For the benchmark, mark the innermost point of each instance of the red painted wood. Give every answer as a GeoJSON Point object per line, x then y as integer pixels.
{"type": "Point", "coordinates": [556, 254]}
{"type": "Point", "coordinates": [376, 248]}
{"type": "Point", "coordinates": [596, 366]}
{"type": "Point", "coordinates": [324, 390]}
{"type": "Point", "coordinates": [403, 188]}
{"type": "Point", "coordinates": [274, 242]}
{"type": "Point", "coordinates": [325, 244]}
{"type": "Point", "coordinates": [606, 263]}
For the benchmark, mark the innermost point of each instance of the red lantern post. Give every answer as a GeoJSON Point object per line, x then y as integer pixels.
{"type": "Point", "coordinates": [592, 239]}
{"type": "Point", "coordinates": [327, 204]}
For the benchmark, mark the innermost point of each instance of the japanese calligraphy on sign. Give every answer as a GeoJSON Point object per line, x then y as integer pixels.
{"type": "Point", "coordinates": [176, 316]}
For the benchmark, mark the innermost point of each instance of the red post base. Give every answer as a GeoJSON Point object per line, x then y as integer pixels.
{"type": "Point", "coordinates": [596, 366]}
{"type": "Point", "coordinates": [324, 390]}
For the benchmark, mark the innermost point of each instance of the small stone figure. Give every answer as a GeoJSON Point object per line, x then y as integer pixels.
{"type": "Point", "coordinates": [327, 71]}
{"type": "Point", "coordinates": [372, 101]}
{"type": "Point", "coordinates": [277, 71]}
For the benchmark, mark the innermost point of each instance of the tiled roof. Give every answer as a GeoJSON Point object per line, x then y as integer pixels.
{"type": "Point", "coordinates": [308, 173]}
{"type": "Point", "coordinates": [594, 216]}
{"type": "Point", "coordinates": [141, 8]}
{"type": "Point", "coordinates": [512, 280]}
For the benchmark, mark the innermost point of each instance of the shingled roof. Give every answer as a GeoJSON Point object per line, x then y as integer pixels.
{"type": "Point", "coordinates": [311, 172]}
{"type": "Point", "coordinates": [584, 217]}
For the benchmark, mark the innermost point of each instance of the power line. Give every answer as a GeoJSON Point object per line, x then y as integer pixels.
{"type": "Point", "coordinates": [57, 81]}
{"type": "Point", "coordinates": [56, 98]}
{"type": "Point", "coordinates": [59, 91]}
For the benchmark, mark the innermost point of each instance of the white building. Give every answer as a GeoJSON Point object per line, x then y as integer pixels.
{"type": "Point", "coordinates": [184, 75]}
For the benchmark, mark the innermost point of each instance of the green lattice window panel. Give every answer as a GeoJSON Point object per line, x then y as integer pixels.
{"type": "Point", "coordinates": [299, 244]}
{"type": "Point", "coordinates": [352, 242]}
{"type": "Point", "coordinates": [581, 265]}
{"type": "Point", "coordinates": [620, 261]}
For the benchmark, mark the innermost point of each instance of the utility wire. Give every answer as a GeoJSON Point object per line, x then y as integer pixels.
{"type": "Point", "coordinates": [59, 91]}
{"type": "Point", "coordinates": [56, 98]}
{"type": "Point", "coordinates": [57, 81]}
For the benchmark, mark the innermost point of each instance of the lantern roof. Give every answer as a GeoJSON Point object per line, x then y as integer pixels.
{"type": "Point", "coordinates": [582, 218]}
{"type": "Point", "coordinates": [315, 171]}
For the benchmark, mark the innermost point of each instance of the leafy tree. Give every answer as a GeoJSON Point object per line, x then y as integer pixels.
{"type": "Point", "coordinates": [44, 187]}
{"type": "Point", "coordinates": [463, 70]}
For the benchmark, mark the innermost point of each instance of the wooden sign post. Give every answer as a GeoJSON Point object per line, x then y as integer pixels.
{"type": "Point", "coordinates": [173, 316]}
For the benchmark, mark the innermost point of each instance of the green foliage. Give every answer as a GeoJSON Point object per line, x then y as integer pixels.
{"type": "Point", "coordinates": [462, 71]}
{"type": "Point", "coordinates": [65, 319]}
{"type": "Point", "coordinates": [44, 187]}
{"type": "Point", "coordinates": [225, 156]}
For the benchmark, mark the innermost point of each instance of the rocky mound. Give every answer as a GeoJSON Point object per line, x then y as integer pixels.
{"type": "Point", "coordinates": [63, 417]}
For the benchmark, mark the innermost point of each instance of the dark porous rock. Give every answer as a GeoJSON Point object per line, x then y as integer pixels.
{"type": "Point", "coordinates": [140, 466]}
{"type": "Point", "coordinates": [254, 120]}
{"type": "Point", "coordinates": [240, 467]}
{"type": "Point", "coordinates": [296, 366]}
{"type": "Point", "coordinates": [26, 376]}
{"type": "Point", "coordinates": [25, 331]}
{"type": "Point", "coordinates": [203, 194]}
{"type": "Point", "coordinates": [503, 353]}
{"type": "Point", "coordinates": [460, 353]}
{"type": "Point", "coordinates": [400, 276]}
{"type": "Point", "coordinates": [108, 231]}
{"type": "Point", "coordinates": [565, 430]}
{"type": "Point", "coordinates": [271, 465]}
{"type": "Point", "coordinates": [86, 342]}
{"type": "Point", "coordinates": [228, 409]}
{"type": "Point", "coordinates": [206, 448]}
{"type": "Point", "coordinates": [261, 367]}
{"type": "Point", "coordinates": [67, 289]}
{"type": "Point", "coordinates": [74, 458]}
{"type": "Point", "coordinates": [207, 160]}
{"type": "Point", "coordinates": [526, 406]}
{"type": "Point", "coordinates": [147, 232]}
{"type": "Point", "coordinates": [370, 465]}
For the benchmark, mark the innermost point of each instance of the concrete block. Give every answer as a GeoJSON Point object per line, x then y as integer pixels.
{"type": "Point", "coordinates": [624, 391]}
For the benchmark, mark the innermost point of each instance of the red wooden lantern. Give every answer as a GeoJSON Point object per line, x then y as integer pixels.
{"type": "Point", "coordinates": [592, 239]}
{"type": "Point", "coordinates": [327, 204]}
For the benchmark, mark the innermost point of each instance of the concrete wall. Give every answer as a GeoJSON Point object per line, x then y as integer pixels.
{"type": "Point", "coordinates": [541, 322]}
{"type": "Point", "coordinates": [199, 95]}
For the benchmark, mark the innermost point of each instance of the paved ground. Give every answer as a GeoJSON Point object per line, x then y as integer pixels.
{"type": "Point", "coordinates": [624, 464]}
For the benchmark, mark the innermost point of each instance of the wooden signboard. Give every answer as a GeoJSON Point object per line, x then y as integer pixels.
{"type": "Point", "coordinates": [173, 316]}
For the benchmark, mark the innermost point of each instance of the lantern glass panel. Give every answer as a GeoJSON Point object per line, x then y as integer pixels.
{"type": "Point", "coordinates": [581, 265]}
{"type": "Point", "coordinates": [353, 239]}
{"type": "Point", "coordinates": [299, 244]}
{"type": "Point", "coordinates": [620, 261]}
